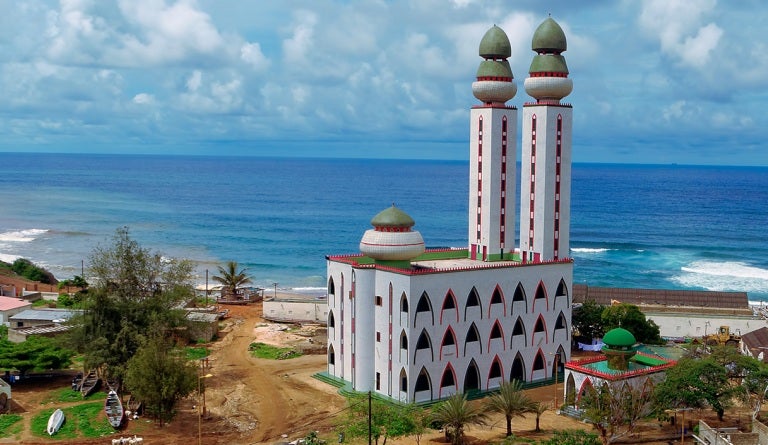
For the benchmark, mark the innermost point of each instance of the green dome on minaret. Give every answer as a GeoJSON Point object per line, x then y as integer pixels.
{"type": "Point", "coordinates": [549, 38]}
{"type": "Point", "coordinates": [392, 217]}
{"type": "Point", "coordinates": [495, 44]}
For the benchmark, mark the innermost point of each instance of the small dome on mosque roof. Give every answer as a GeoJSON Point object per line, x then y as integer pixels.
{"type": "Point", "coordinates": [619, 337]}
{"type": "Point", "coordinates": [495, 44]}
{"type": "Point", "coordinates": [392, 217]}
{"type": "Point", "coordinates": [494, 68]}
{"type": "Point", "coordinates": [549, 37]}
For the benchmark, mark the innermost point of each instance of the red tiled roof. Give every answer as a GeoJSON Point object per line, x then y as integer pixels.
{"type": "Point", "coordinates": [8, 303]}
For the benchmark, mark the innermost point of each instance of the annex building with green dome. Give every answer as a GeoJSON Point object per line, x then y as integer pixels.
{"type": "Point", "coordinates": [415, 324]}
{"type": "Point", "coordinates": [620, 360]}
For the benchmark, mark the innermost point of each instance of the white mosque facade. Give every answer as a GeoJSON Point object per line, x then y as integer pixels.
{"type": "Point", "coordinates": [414, 324]}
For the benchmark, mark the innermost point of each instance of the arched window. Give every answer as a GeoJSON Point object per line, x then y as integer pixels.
{"type": "Point", "coordinates": [495, 371]}
{"type": "Point", "coordinates": [541, 294]}
{"type": "Point", "coordinates": [331, 287]}
{"type": "Point", "coordinates": [518, 368]}
{"type": "Point", "coordinates": [422, 381]}
{"type": "Point", "coordinates": [403, 381]}
{"type": "Point", "coordinates": [560, 323]}
{"type": "Point", "coordinates": [449, 378]}
{"type": "Point", "coordinates": [472, 333]}
{"type": "Point", "coordinates": [472, 377]}
{"type": "Point", "coordinates": [519, 297]}
{"type": "Point", "coordinates": [331, 356]}
{"type": "Point", "coordinates": [539, 326]}
{"type": "Point", "coordinates": [331, 320]}
{"type": "Point", "coordinates": [449, 304]}
{"type": "Point", "coordinates": [423, 307]}
{"type": "Point", "coordinates": [404, 341]}
{"type": "Point", "coordinates": [538, 361]}
{"type": "Point", "coordinates": [404, 303]}
{"type": "Point", "coordinates": [424, 342]}
{"type": "Point", "coordinates": [496, 330]}
{"type": "Point", "coordinates": [473, 299]}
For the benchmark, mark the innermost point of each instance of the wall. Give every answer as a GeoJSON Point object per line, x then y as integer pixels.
{"type": "Point", "coordinates": [313, 311]}
{"type": "Point", "coordinates": [693, 325]}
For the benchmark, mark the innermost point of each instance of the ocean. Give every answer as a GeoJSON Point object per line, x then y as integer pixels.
{"type": "Point", "coordinates": [647, 226]}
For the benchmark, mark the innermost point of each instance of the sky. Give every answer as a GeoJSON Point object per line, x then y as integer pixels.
{"type": "Point", "coordinates": [655, 81]}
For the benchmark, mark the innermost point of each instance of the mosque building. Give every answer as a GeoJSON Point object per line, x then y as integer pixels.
{"type": "Point", "coordinates": [415, 324]}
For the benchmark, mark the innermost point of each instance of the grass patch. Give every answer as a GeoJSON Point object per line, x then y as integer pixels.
{"type": "Point", "coordinates": [85, 420]}
{"type": "Point", "coordinates": [10, 424]}
{"type": "Point", "coordinates": [66, 395]}
{"type": "Point", "coordinates": [262, 350]}
{"type": "Point", "coordinates": [196, 353]}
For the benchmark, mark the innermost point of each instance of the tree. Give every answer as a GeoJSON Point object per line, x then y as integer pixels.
{"type": "Point", "coordinates": [159, 375]}
{"type": "Point", "coordinates": [231, 278]}
{"type": "Point", "coordinates": [588, 321]}
{"type": "Point", "coordinates": [697, 383]}
{"type": "Point", "coordinates": [629, 317]}
{"type": "Point", "coordinates": [511, 401]}
{"type": "Point", "coordinates": [136, 292]}
{"type": "Point", "coordinates": [455, 414]}
{"type": "Point", "coordinates": [387, 419]}
{"type": "Point", "coordinates": [35, 353]}
{"type": "Point", "coordinates": [539, 408]}
{"type": "Point", "coordinates": [614, 408]}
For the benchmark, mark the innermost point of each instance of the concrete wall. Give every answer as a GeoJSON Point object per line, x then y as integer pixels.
{"type": "Point", "coordinates": [695, 325]}
{"type": "Point", "coordinates": [312, 311]}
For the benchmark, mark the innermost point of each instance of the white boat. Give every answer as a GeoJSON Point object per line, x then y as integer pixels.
{"type": "Point", "coordinates": [55, 422]}
{"type": "Point", "coordinates": [113, 406]}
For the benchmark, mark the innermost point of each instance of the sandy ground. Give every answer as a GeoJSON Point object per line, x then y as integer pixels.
{"type": "Point", "coordinates": [250, 400]}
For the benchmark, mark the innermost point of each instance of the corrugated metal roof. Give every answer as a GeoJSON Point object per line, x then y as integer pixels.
{"type": "Point", "coordinates": [44, 314]}
{"type": "Point", "coordinates": [661, 297]}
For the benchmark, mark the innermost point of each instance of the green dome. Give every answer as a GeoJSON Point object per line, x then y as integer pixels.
{"type": "Point", "coordinates": [549, 37]}
{"type": "Point", "coordinates": [392, 217]}
{"type": "Point", "coordinates": [548, 63]}
{"type": "Point", "coordinates": [494, 68]}
{"type": "Point", "coordinates": [619, 337]}
{"type": "Point", "coordinates": [495, 44]}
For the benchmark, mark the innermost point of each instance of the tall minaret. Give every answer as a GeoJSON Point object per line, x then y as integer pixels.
{"type": "Point", "coordinates": [492, 153]}
{"type": "Point", "coordinates": [545, 191]}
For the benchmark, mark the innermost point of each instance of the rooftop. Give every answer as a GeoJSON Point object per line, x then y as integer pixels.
{"type": "Point", "coordinates": [44, 314]}
{"type": "Point", "coordinates": [8, 303]}
{"type": "Point", "coordinates": [441, 260]}
{"type": "Point", "coordinates": [640, 364]}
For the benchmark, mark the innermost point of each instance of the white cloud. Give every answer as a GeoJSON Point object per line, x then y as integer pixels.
{"type": "Point", "coordinates": [143, 99]}
{"type": "Point", "coordinates": [251, 54]}
{"type": "Point", "coordinates": [195, 80]}
{"type": "Point", "coordinates": [297, 47]}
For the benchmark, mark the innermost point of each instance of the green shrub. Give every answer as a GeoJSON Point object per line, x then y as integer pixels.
{"type": "Point", "coordinates": [262, 350]}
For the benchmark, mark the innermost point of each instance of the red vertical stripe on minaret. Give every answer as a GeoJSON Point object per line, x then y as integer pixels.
{"type": "Point", "coordinates": [533, 183]}
{"type": "Point", "coordinates": [503, 194]}
{"type": "Point", "coordinates": [479, 176]}
{"type": "Point", "coordinates": [558, 164]}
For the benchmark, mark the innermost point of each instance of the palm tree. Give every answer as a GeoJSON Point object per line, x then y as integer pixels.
{"type": "Point", "coordinates": [539, 409]}
{"type": "Point", "coordinates": [230, 278]}
{"type": "Point", "coordinates": [510, 401]}
{"type": "Point", "coordinates": [455, 413]}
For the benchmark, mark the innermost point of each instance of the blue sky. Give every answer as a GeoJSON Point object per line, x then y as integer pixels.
{"type": "Point", "coordinates": [656, 81]}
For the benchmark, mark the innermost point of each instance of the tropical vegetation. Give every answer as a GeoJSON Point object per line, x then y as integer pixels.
{"type": "Point", "coordinates": [231, 278]}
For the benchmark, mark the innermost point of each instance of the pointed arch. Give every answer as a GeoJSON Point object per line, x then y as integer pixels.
{"type": "Point", "coordinates": [497, 333]}
{"type": "Point", "coordinates": [331, 290]}
{"type": "Point", "coordinates": [472, 377]}
{"type": "Point", "coordinates": [331, 320]}
{"type": "Point", "coordinates": [404, 303]}
{"type": "Point", "coordinates": [449, 346]}
{"type": "Point", "coordinates": [448, 381]}
{"type": "Point", "coordinates": [539, 327]}
{"type": "Point", "coordinates": [449, 304]}
{"type": "Point", "coordinates": [541, 294]}
{"type": "Point", "coordinates": [498, 306]}
{"type": "Point", "coordinates": [422, 344]}
{"type": "Point", "coordinates": [539, 364]}
{"type": "Point", "coordinates": [331, 356]}
{"type": "Point", "coordinates": [473, 305]}
{"type": "Point", "coordinates": [472, 341]}
{"type": "Point", "coordinates": [519, 298]}
{"type": "Point", "coordinates": [517, 372]}
{"type": "Point", "coordinates": [518, 330]}
{"type": "Point", "coordinates": [562, 293]}
{"type": "Point", "coordinates": [423, 384]}
{"type": "Point", "coordinates": [558, 362]}
{"type": "Point", "coordinates": [403, 381]}
{"type": "Point", "coordinates": [495, 374]}
{"type": "Point", "coordinates": [570, 390]}
{"type": "Point", "coordinates": [424, 309]}
{"type": "Point", "coordinates": [586, 388]}
{"type": "Point", "coordinates": [560, 332]}
{"type": "Point", "coordinates": [403, 350]}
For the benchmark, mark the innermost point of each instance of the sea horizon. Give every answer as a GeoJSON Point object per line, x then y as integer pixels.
{"type": "Point", "coordinates": [653, 226]}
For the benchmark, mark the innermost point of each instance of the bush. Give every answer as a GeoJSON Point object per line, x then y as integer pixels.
{"type": "Point", "coordinates": [25, 268]}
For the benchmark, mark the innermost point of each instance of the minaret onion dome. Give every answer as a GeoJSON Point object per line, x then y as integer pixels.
{"type": "Point", "coordinates": [391, 239]}
{"type": "Point", "coordinates": [620, 346]}
{"type": "Point", "coordinates": [495, 83]}
{"type": "Point", "coordinates": [548, 79]}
